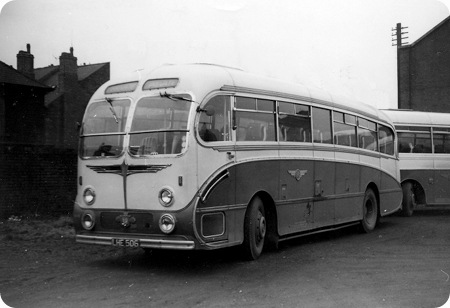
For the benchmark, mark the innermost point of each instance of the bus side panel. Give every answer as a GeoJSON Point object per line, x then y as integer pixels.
{"type": "Point", "coordinates": [217, 217]}
{"type": "Point", "coordinates": [255, 176]}
{"type": "Point", "coordinates": [324, 193]}
{"type": "Point", "coordinates": [442, 179]}
{"type": "Point", "coordinates": [228, 201]}
{"type": "Point", "coordinates": [348, 199]}
{"type": "Point", "coordinates": [295, 208]}
{"type": "Point", "coordinates": [390, 195]}
{"type": "Point", "coordinates": [390, 191]}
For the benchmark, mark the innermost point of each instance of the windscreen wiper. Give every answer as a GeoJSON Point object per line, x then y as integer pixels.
{"type": "Point", "coordinates": [112, 109]}
{"type": "Point", "coordinates": [175, 97]}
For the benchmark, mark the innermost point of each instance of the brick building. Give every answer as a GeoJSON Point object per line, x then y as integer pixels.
{"type": "Point", "coordinates": [39, 112]}
{"type": "Point", "coordinates": [424, 71]}
{"type": "Point", "coordinates": [74, 85]}
{"type": "Point", "coordinates": [22, 108]}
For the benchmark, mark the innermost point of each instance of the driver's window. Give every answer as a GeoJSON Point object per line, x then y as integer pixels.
{"type": "Point", "coordinates": [215, 119]}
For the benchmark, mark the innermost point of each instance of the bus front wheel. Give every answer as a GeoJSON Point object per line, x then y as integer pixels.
{"type": "Point", "coordinates": [254, 229]}
{"type": "Point", "coordinates": [370, 211]}
{"type": "Point", "coordinates": [409, 199]}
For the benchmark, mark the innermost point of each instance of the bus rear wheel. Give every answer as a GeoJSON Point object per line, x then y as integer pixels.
{"type": "Point", "coordinates": [370, 211]}
{"type": "Point", "coordinates": [409, 199]}
{"type": "Point", "coordinates": [254, 229]}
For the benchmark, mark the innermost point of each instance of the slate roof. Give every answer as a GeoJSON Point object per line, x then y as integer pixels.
{"type": "Point", "coordinates": [49, 74]}
{"type": "Point", "coordinates": [11, 76]}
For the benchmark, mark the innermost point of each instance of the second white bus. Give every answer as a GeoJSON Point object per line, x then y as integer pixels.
{"type": "Point", "coordinates": [424, 152]}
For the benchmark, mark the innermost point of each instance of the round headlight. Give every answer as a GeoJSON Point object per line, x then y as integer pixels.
{"type": "Point", "coordinates": [167, 223]}
{"type": "Point", "coordinates": [88, 221]}
{"type": "Point", "coordinates": [89, 196]}
{"type": "Point", "coordinates": [166, 197]}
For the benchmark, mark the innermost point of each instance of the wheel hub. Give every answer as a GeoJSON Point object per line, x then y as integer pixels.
{"type": "Point", "coordinates": [261, 227]}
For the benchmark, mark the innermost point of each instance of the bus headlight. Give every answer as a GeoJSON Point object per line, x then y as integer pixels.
{"type": "Point", "coordinates": [89, 196]}
{"type": "Point", "coordinates": [88, 221]}
{"type": "Point", "coordinates": [166, 197]}
{"type": "Point", "coordinates": [167, 223]}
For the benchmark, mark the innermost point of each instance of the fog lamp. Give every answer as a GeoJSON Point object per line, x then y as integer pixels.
{"type": "Point", "coordinates": [167, 223]}
{"type": "Point", "coordinates": [88, 221]}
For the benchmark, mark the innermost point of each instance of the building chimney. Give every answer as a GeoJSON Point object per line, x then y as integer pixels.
{"type": "Point", "coordinates": [68, 63]}
{"type": "Point", "coordinates": [68, 71]}
{"type": "Point", "coordinates": [25, 62]}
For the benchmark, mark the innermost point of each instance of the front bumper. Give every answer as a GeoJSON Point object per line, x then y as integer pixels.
{"type": "Point", "coordinates": [178, 244]}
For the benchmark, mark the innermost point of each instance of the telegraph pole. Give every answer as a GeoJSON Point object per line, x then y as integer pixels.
{"type": "Point", "coordinates": [398, 35]}
{"type": "Point", "coordinates": [399, 43]}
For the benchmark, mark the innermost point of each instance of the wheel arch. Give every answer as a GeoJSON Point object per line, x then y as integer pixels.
{"type": "Point", "coordinates": [271, 218]}
{"type": "Point", "coordinates": [419, 192]}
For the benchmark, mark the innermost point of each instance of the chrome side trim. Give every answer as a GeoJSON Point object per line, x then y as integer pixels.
{"type": "Point", "coordinates": [219, 179]}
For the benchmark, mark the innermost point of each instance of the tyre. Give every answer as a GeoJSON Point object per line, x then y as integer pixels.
{"type": "Point", "coordinates": [254, 229]}
{"type": "Point", "coordinates": [370, 211]}
{"type": "Point", "coordinates": [409, 199]}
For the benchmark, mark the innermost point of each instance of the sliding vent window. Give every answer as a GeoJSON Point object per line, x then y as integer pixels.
{"type": "Point", "coordinates": [344, 129]}
{"type": "Point", "coordinates": [367, 135]}
{"type": "Point", "coordinates": [255, 119]}
{"type": "Point", "coordinates": [294, 122]}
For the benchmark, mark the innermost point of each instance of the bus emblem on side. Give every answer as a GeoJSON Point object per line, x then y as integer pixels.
{"type": "Point", "coordinates": [297, 174]}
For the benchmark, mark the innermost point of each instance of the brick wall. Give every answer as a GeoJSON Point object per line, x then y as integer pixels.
{"type": "Point", "coordinates": [424, 72]}
{"type": "Point", "coordinates": [36, 180]}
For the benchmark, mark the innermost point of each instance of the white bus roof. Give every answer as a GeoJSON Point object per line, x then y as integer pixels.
{"type": "Point", "coordinates": [410, 117]}
{"type": "Point", "coordinates": [201, 79]}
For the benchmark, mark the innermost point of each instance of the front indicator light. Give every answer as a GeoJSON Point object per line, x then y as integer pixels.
{"type": "Point", "coordinates": [89, 196]}
{"type": "Point", "coordinates": [88, 221]}
{"type": "Point", "coordinates": [167, 223]}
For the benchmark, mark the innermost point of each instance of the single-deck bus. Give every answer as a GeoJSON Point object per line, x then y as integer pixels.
{"type": "Point", "coordinates": [424, 152]}
{"type": "Point", "coordinates": [203, 156]}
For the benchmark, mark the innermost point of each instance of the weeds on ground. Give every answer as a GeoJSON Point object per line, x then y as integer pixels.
{"type": "Point", "coordinates": [17, 229]}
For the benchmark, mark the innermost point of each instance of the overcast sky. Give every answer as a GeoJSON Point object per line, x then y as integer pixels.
{"type": "Point", "coordinates": [342, 46]}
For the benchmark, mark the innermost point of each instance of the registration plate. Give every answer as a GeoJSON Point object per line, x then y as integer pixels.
{"type": "Point", "coordinates": [123, 242]}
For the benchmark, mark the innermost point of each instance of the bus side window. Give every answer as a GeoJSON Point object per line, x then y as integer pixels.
{"type": "Point", "coordinates": [386, 140]}
{"type": "Point", "coordinates": [294, 122]}
{"type": "Point", "coordinates": [344, 129]}
{"type": "Point", "coordinates": [255, 119]}
{"type": "Point", "coordinates": [367, 134]}
{"type": "Point", "coordinates": [214, 124]}
{"type": "Point", "coordinates": [321, 125]}
{"type": "Point", "coordinates": [414, 142]}
{"type": "Point", "coordinates": [441, 140]}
